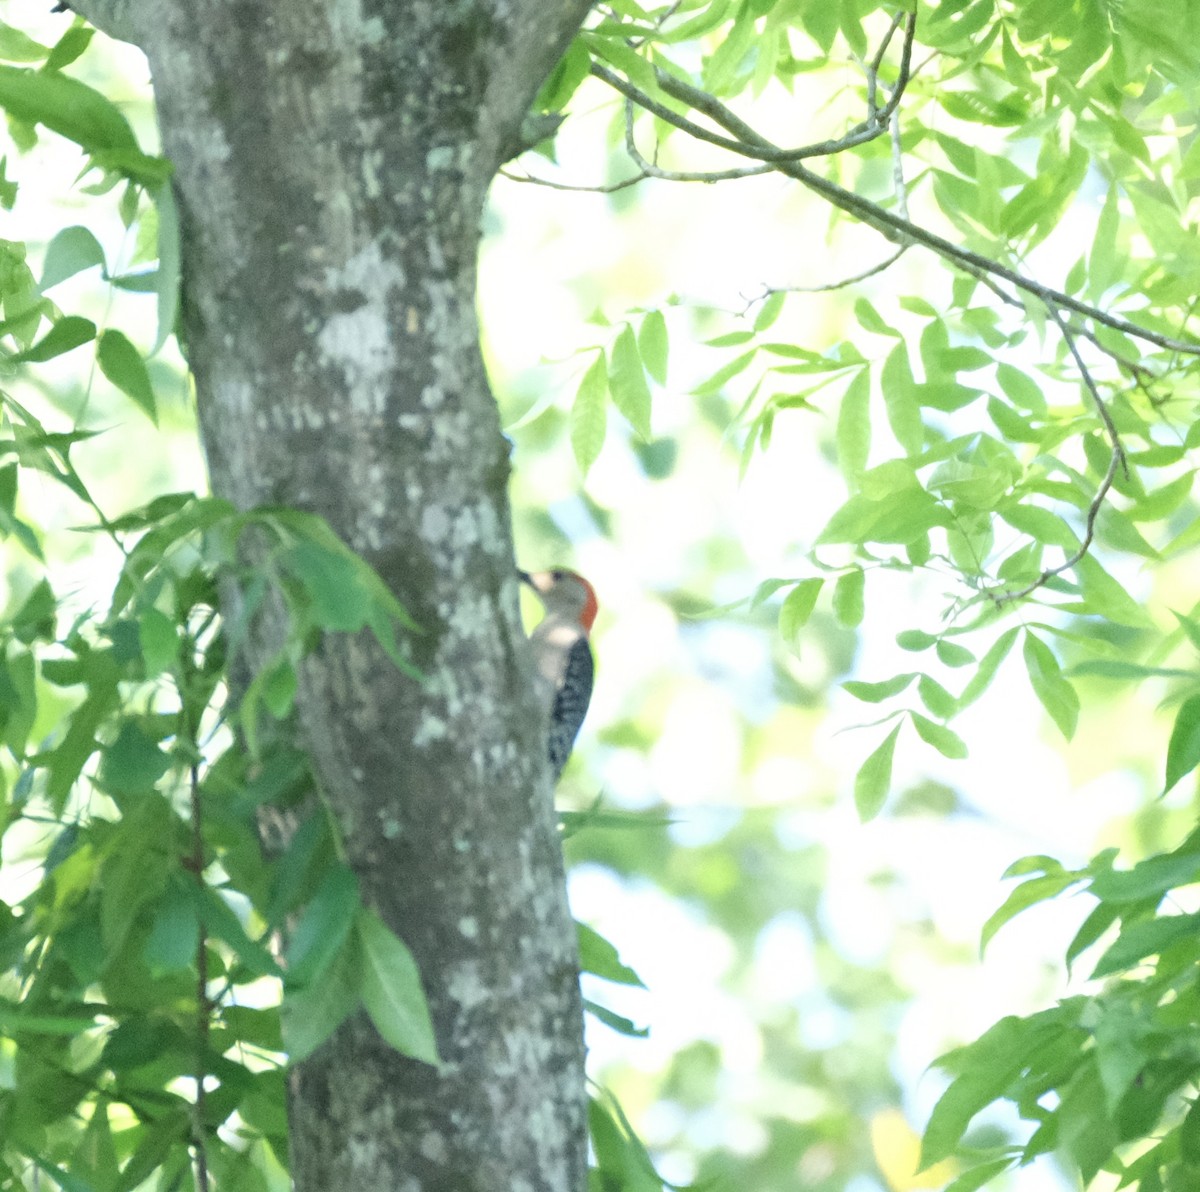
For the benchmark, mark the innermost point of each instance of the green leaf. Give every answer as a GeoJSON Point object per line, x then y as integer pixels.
{"type": "Point", "coordinates": [987, 1068]}
{"type": "Point", "coordinates": [952, 654]}
{"type": "Point", "coordinates": [16, 1020]}
{"type": "Point", "coordinates": [1041, 524]}
{"type": "Point", "coordinates": [589, 414]}
{"type": "Point", "coordinates": [16, 46]}
{"type": "Point", "coordinates": [874, 693]}
{"type": "Point", "coordinates": [621, 55]}
{"type": "Point", "coordinates": [1109, 598]}
{"type": "Point", "coordinates": [976, 1177]}
{"type": "Point", "coordinates": [848, 597]}
{"type": "Point", "coordinates": [339, 600]}
{"type": "Point", "coordinates": [854, 427]}
{"type": "Point", "coordinates": [892, 506]}
{"type": "Point", "coordinates": [317, 938]}
{"type": "Point", "coordinates": [68, 333]}
{"type": "Point", "coordinates": [133, 762]}
{"type": "Point", "coordinates": [136, 868]}
{"type": "Point", "coordinates": [652, 345]}
{"type": "Point", "coordinates": [1106, 260]}
{"type": "Point", "coordinates": [64, 1179]}
{"type": "Point", "coordinates": [627, 382]}
{"type": "Point", "coordinates": [278, 690]}
{"type": "Point", "coordinates": [1101, 918]}
{"type": "Point", "coordinates": [565, 78]}
{"type": "Point", "coordinates": [1013, 426]}
{"type": "Point", "coordinates": [1164, 500]}
{"type": "Point", "coordinates": [67, 759]}
{"type": "Point", "coordinates": [798, 607]}
{"type": "Point", "coordinates": [1055, 693]}
{"type": "Point", "coordinates": [1149, 880]}
{"type": "Point", "coordinates": [986, 671]}
{"type": "Point", "coordinates": [159, 641]}
{"type": "Point", "coordinates": [258, 1027]}
{"type": "Point", "coordinates": [870, 319]}
{"type": "Point", "coordinates": [874, 778]}
{"type": "Point", "coordinates": [1190, 627]}
{"type": "Point", "coordinates": [769, 311]}
{"type": "Point", "coordinates": [936, 698]}
{"type": "Point", "coordinates": [1183, 749]}
{"type": "Point", "coordinates": [174, 932]}
{"type": "Point", "coordinates": [725, 373]}
{"type": "Point", "coordinates": [123, 365]}
{"type": "Point", "coordinates": [900, 401]}
{"type": "Point", "coordinates": [947, 742]}
{"type": "Point", "coordinates": [391, 990]}
{"type": "Point", "coordinates": [220, 921]}
{"type": "Point", "coordinates": [71, 251]}
{"type": "Point", "coordinates": [69, 47]}
{"type": "Point", "coordinates": [36, 617]}
{"type": "Point", "coordinates": [1141, 940]}
{"type": "Point", "coordinates": [1020, 388]}
{"type": "Point", "coordinates": [1189, 1135]}
{"type": "Point", "coordinates": [311, 1015]}
{"type": "Point", "coordinates": [171, 1130]}
{"type": "Point", "coordinates": [905, 519]}
{"type": "Point", "coordinates": [67, 107]}
{"type": "Point", "coordinates": [620, 1156]}
{"type": "Point", "coordinates": [616, 1022]}
{"type": "Point", "coordinates": [599, 957]}
{"type": "Point", "coordinates": [915, 640]}
{"type": "Point", "coordinates": [1027, 894]}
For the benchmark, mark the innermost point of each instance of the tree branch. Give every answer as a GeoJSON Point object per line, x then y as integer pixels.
{"type": "Point", "coordinates": [894, 227]}
{"type": "Point", "coordinates": [605, 188]}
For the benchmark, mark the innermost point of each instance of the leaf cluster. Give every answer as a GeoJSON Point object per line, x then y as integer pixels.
{"type": "Point", "coordinates": [1100, 1073]}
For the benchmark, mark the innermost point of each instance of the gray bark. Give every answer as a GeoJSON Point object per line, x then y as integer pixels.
{"type": "Point", "coordinates": [332, 161]}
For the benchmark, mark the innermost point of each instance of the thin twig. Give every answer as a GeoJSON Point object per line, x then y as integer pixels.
{"type": "Point", "coordinates": [910, 32]}
{"type": "Point", "coordinates": [886, 39]}
{"type": "Point", "coordinates": [190, 723]}
{"type": "Point", "coordinates": [1116, 460]}
{"type": "Point", "coordinates": [607, 188]}
{"type": "Point", "coordinates": [898, 181]}
{"type": "Point", "coordinates": [199, 1145]}
{"type": "Point", "coordinates": [840, 284]}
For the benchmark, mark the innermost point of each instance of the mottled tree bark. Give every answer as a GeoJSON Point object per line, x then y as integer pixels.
{"type": "Point", "coordinates": [332, 159]}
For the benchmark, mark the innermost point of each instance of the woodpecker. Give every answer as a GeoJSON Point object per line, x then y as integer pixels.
{"type": "Point", "coordinates": [563, 656]}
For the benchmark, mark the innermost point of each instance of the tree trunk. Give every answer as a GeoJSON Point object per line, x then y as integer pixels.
{"type": "Point", "coordinates": [332, 161]}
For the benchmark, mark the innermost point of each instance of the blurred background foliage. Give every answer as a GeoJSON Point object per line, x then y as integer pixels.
{"type": "Point", "coordinates": [802, 969]}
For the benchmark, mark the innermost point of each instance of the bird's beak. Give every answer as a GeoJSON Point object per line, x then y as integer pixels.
{"type": "Point", "coordinates": [525, 577]}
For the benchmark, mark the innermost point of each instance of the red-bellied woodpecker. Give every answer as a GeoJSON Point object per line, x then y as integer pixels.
{"type": "Point", "coordinates": [563, 656]}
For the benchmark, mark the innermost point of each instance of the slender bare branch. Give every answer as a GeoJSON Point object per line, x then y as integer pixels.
{"type": "Point", "coordinates": [840, 284]}
{"type": "Point", "coordinates": [606, 188]}
{"type": "Point", "coordinates": [203, 1005]}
